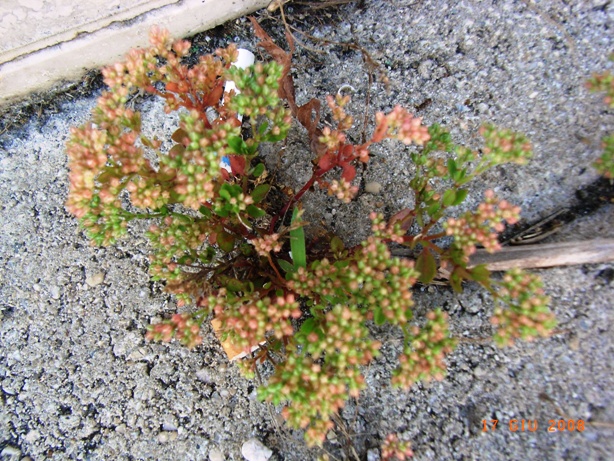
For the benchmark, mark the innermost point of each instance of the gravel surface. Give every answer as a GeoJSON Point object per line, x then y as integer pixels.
{"type": "Point", "coordinates": [78, 380]}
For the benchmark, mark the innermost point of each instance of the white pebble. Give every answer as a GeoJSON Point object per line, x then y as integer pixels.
{"type": "Point", "coordinates": [95, 279]}
{"type": "Point", "coordinates": [10, 451]}
{"type": "Point", "coordinates": [373, 187]}
{"type": "Point", "coordinates": [216, 455]}
{"type": "Point", "coordinates": [254, 450]}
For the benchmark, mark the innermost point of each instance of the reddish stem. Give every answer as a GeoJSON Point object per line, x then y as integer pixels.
{"type": "Point", "coordinates": [316, 175]}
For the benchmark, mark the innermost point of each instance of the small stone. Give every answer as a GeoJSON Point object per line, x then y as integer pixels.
{"type": "Point", "coordinates": [54, 291]}
{"type": "Point", "coordinates": [69, 422]}
{"type": "Point", "coordinates": [482, 108]}
{"type": "Point", "coordinates": [373, 455]}
{"type": "Point", "coordinates": [425, 68]}
{"type": "Point", "coordinates": [165, 436]}
{"type": "Point", "coordinates": [32, 436]}
{"type": "Point", "coordinates": [373, 187]}
{"type": "Point", "coordinates": [204, 375]}
{"type": "Point", "coordinates": [255, 450]}
{"type": "Point", "coordinates": [479, 372]}
{"type": "Point", "coordinates": [95, 279]}
{"type": "Point", "coordinates": [10, 451]}
{"type": "Point", "coordinates": [216, 455]}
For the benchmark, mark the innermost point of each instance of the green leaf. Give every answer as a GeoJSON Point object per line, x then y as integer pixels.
{"type": "Point", "coordinates": [452, 168]}
{"type": "Point", "coordinates": [286, 266]}
{"type": "Point", "coordinates": [308, 326]}
{"type": "Point", "coordinates": [456, 281]}
{"type": "Point", "coordinates": [226, 241]}
{"type": "Point", "coordinates": [259, 193]}
{"type": "Point", "coordinates": [481, 274]}
{"type": "Point", "coordinates": [336, 245]}
{"type": "Point", "coordinates": [263, 127]}
{"type": "Point", "coordinates": [460, 175]}
{"type": "Point", "coordinates": [225, 191]}
{"type": "Point", "coordinates": [449, 197]}
{"type": "Point", "coordinates": [206, 212]}
{"type": "Point", "coordinates": [434, 208]}
{"type": "Point", "coordinates": [237, 145]}
{"type": "Point", "coordinates": [232, 284]}
{"type": "Point", "coordinates": [427, 266]}
{"type": "Point", "coordinates": [341, 264]}
{"type": "Point", "coordinates": [378, 316]}
{"type": "Point", "coordinates": [255, 212]}
{"type": "Point", "coordinates": [258, 170]}
{"type": "Point", "coordinates": [461, 195]}
{"type": "Point", "coordinates": [297, 243]}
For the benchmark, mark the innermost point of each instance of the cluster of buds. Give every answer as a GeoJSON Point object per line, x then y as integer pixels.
{"type": "Point", "coordinates": [343, 190]}
{"type": "Point", "coordinates": [197, 165]}
{"type": "Point", "coordinates": [343, 339]}
{"type": "Point", "coordinates": [603, 83]}
{"type": "Point", "coordinates": [105, 224]}
{"type": "Point", "coordinates": [323, 279]}
{"type": "Point", "coordinates": [147, 194]}
{"type": "Point", "coordinates": [181, 326]}
{"type": "Point", "coordinates": [424, 354]}
{"type": "Point", "coordinates": [482, 227]}
{"type": "Point", "coordinates": [371, 278]}
{"type": "Point", "coordinates": [316, 389]}
{"type": "Point", "coordinates": [504, 146]}
{"type": "Point", "coordinates": [250, 320]}
{"type": "Point", "coordinates": [336, 106]}
{"type": "Point", "coordinates": [389, 231]}
{"type": "Point", "coordinates": [269, 242]}
{"type": "Point", "coordinates": [175, 241]}
{"type": "Point", "coordinates": [382, 282]}
{"type": "Point", "coordinates": [605, 163]}
{"type": "Point", "coordinates": [400, 124]}
{"type": "Point", "coordinates": [395, 449]}
{"type": "Point", "coordinates": [527, 315]}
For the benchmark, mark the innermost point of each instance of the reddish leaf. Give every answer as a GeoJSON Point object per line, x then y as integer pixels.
{"type": "Point", "coordinates": [225, 174]}
{"type": "Point", "coordinates": [172, 86]}
{"type": "Point", "coordinates": [226, 241]}
{"type": "Point", "coordinates": [349, 172]}
{"type": "Point", "coordinates": [405, 218]}
{"type": "Point", "coordinates": [237, 164]}
{"type": "Point", "coordinates": [180, 137]}
{"type": "Point", "coordinates": [327, 161]}
{"type": "Point", "coordinates": [213, 98]}
{"type": "Point", "coordinates": [286, 87]}
{"type": "Point", "coordinates": [347, 152]}
{"type": "Point", "coordinates": [380, 130]}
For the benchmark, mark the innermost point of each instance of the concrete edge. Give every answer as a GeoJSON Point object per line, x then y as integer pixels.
{"type": "Point", "coordinates": [70, 60]}
{"type": "Point", "coordinates": [83, 28]}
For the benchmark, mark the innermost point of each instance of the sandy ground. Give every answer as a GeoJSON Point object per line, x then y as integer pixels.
{"type": "Point", "coordinates": [78, 380]}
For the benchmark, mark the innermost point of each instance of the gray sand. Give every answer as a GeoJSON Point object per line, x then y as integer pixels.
{"type": "Point", "coordinates": [78, 380]}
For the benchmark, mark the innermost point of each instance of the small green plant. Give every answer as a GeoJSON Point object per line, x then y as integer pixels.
{"type": "Point", "coordinates": [604, 83]}
{"type": "Point", "coordinates": [224, 245]}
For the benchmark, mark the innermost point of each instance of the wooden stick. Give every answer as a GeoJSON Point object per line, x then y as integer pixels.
{"type": "Point", "coordinates": [547, 255]}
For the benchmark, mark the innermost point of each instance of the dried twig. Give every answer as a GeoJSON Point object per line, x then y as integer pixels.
{"type": "Point", "coordinates": [547, 255]}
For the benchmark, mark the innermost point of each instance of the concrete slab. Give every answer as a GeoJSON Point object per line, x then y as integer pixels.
{"type": "Point", "coordinates": [44, 42]}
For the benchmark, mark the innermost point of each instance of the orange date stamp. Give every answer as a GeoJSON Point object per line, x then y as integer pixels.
{"type": "Point", "coordinates": [532, 425]}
